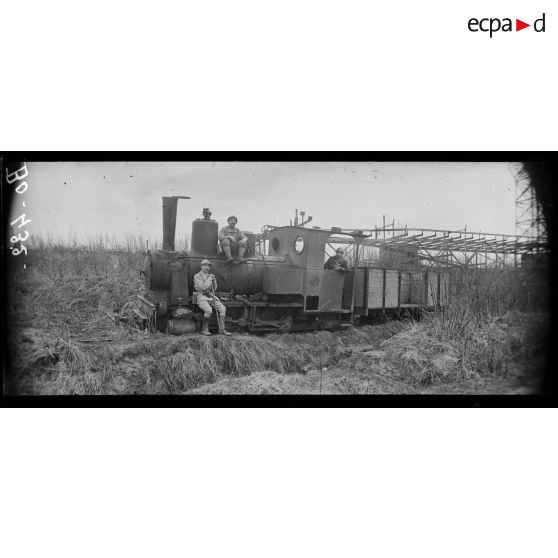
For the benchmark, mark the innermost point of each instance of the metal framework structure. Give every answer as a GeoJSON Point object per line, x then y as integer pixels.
{"type": "Point", "coordinates": [445, 248]}
{"type": "Point", "coordinates": [529, 219]}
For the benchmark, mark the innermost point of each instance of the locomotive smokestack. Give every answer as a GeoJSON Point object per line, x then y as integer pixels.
{"type": "Point", "coordinates": [169, 220]}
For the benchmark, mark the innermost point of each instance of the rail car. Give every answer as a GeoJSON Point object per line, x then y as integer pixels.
{"type": "Point", "coordinates": [285, 289]}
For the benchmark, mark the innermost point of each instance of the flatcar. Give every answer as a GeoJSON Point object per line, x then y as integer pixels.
{"type": "Point", "coordinates": [285, 289]}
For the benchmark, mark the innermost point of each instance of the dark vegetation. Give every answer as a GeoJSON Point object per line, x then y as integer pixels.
{"type": "Point", "coordinates": [492, 338]}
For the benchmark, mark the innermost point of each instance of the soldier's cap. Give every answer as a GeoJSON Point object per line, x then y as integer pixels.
{"type": "Point", "coordinates": [340, 250]}
{"type": "Point", "coordinates": [232, 217]}
{"type": "Point", "coordinates": [203, 262]}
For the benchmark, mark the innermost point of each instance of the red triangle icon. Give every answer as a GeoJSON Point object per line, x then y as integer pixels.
{"type": "Point", "coordinates": [519, 25]}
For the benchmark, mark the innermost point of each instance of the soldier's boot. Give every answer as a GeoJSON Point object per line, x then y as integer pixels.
{"type": "Point", "coordinates": [205, 330]}
{"type": "Point", "coordinates": [227, 250]}
{"type": "Point", "coordinates": [222, 326]}
{"type": "Point", "coordinates": [241, 252]}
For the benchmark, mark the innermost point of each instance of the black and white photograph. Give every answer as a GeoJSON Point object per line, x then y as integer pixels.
{"type": "Point", "coordinates": [277, 278]}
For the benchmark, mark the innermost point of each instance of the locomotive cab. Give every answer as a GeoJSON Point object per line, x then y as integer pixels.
{"type": "Point", "coordinates": [321, 290]}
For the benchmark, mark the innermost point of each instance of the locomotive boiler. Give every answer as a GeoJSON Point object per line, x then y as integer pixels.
{"type": "Point", "coordinates": [284, 289]}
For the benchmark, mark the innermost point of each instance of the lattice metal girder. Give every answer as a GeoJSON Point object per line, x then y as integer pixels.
{"type": "Point", "coordinates": [389, 239]}
{"type": "Point", "coordinates": [446, 232]}
{"type": "Point", "coordinates": [527, 190]}
{"type": "Point", "coordinates": [445, 243]}
{"type": "Point", "coordinates": [455, 241]}
{"type": "Point", "coordinates": [496, 246]}
{"type": "Point", "coordinates": [472, 245]}
{"type": "Point", "coordinates": [468, 247]}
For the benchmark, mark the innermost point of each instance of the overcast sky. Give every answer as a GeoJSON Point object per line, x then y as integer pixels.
{"type": "Point", "coordinates": [117, 198]}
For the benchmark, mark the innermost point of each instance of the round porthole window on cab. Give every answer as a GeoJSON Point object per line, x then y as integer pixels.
{"type": "Point", "coordinates": [275, 244]}
{"type": "Point", "coordinates": [299, 245]}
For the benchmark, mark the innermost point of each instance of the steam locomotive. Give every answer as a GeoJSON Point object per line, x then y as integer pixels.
{"type": "Point", "coordinates": [282, 288]}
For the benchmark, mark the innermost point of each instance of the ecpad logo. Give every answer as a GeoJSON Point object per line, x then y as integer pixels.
{"type": "Point", "coordinates": [493, 25]}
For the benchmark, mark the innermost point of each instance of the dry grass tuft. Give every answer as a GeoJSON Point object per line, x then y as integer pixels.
{"type": "Point", "coordinates": [421, 358]}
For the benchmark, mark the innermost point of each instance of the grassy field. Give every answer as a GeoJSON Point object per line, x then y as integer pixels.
{"type": "Point", "coordinates": [63, 340]}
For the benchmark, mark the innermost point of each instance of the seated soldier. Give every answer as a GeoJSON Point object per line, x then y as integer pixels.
{"type": "Point", "coordinates": [205, 285]}
{"type": "Point", "coordinates": [338, 262]}
{"type": "Point", "coordinates": [230, 236]}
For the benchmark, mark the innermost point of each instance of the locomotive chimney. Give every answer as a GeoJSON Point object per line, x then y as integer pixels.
{"type": "Point", "coordinates": [170, 204]}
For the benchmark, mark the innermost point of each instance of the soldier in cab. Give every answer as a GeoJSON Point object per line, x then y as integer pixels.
{"type": "Point", "coordinates": [338, 262]}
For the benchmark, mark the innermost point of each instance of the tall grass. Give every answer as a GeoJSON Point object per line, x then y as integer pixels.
{"type": "Point", "coordinates": [129, 242]}
{"type": "Point", "coordinates": [477, 296]}
{"type": "Point", "coordinates": [62, 340]}
{"type": "Point", "coordinates": [482, 304]}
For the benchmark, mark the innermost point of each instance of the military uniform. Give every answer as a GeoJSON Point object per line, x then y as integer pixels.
{"type": "Point", "coordinates": [203, 283]}
{"type": "Point", "coordinates": [231, 236]}
{"type": "Point", "coordinates": [337, 263]}
{"type": "Point", "coordinates": [239, 237]}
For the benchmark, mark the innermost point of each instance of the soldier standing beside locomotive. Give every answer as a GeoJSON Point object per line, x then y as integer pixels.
{"type": "Point", "coordinates": [230, 236]}
{"type": "Point", "coordinates": [338, 262]}
{"type": "Point", "coordinates": [205, 285]}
